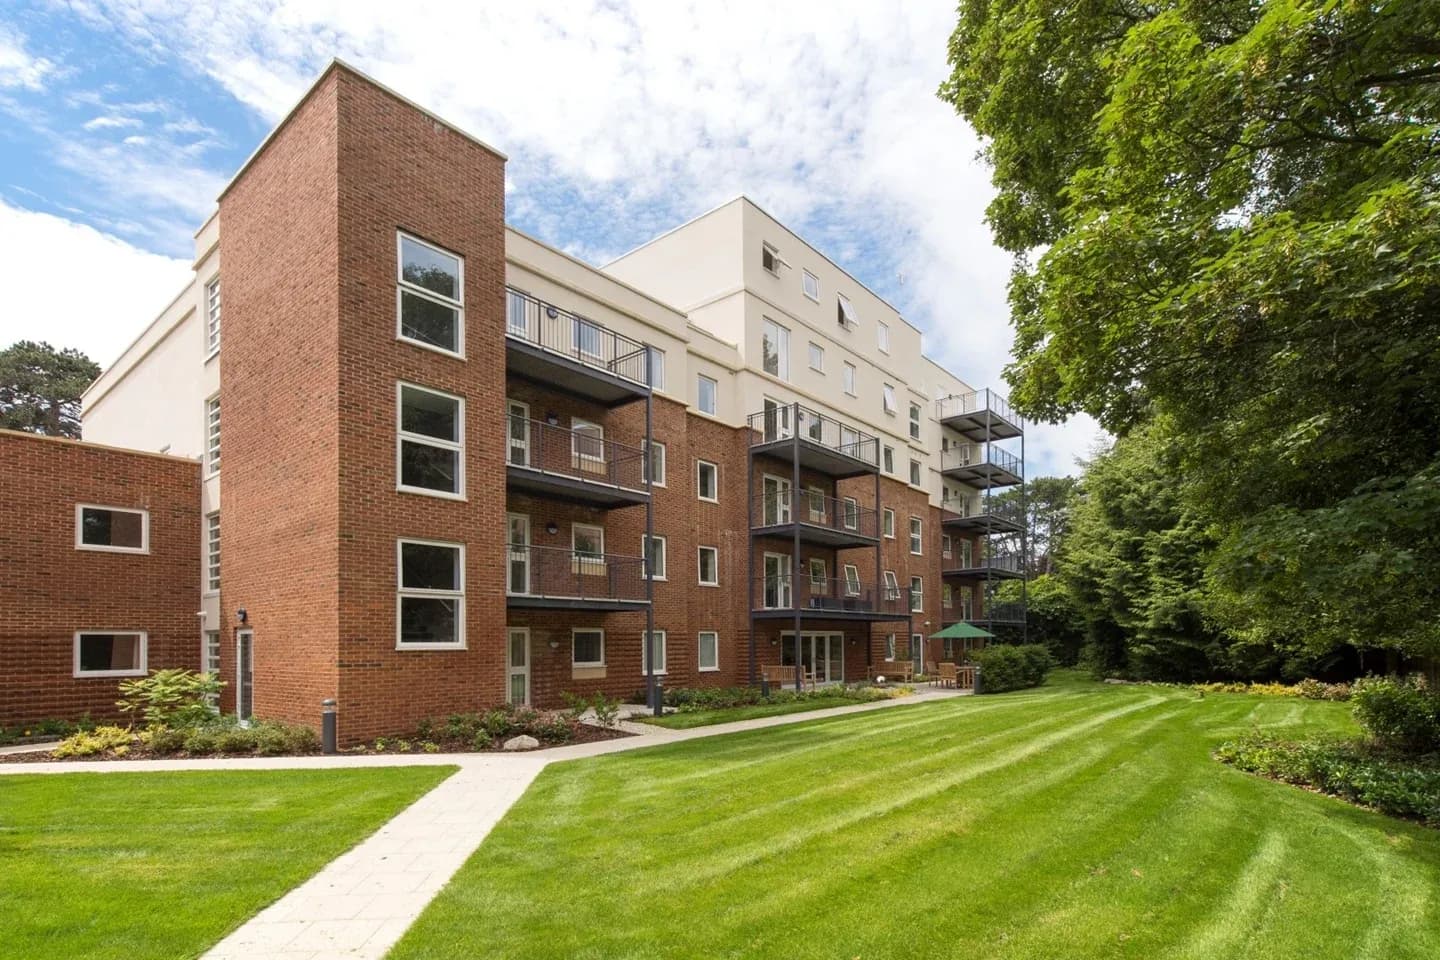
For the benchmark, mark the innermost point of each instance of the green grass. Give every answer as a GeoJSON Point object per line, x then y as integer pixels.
{"type": "Point", "coordinates": [703, 718]}
{"type": "Point", "coordinates": [140, 865]}
{"type": "Point", "coordinates": [1076, 820]}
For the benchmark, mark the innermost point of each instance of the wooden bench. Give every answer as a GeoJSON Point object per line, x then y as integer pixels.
{"type": "Point", "coordinates": [902, 671]}
{"type": "Point", "coordinates": [784, 677]}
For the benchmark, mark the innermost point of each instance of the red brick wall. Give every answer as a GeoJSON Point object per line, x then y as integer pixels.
{"type": "Point", "coordinates": [49, 589]}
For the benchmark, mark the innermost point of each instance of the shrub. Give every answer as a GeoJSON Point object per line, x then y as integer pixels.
{"type": "Point", "coordinates": [481, 741]}
{"type": "Point", "coordinates": [1399, 713]}
{"type": "Point", "coordinates": [87, 743]}
{"type": "Point", "coordinates": [607, 711]}
{"type": "Point", "coordinates": [170, 698]}
{"type": "Point", "coordinates": [1012, 667]}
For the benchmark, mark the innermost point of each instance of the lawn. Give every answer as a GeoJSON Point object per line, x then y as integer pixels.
{"type": "Point", "coordinates": [1077, 820]}
{"type": "Point", "coordinates": [139, 865]}
{"type": "Point", "coordinates": [685, 720]}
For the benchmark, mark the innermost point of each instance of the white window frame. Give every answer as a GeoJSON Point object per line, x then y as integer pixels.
{"type": "Point", "coordinates": [807, 281]}
{"type": "Point", "coordinates": [403, 287]}
{"type": "Point", "coordinates": [817, 357]}
{"type": "Point", "coordinates": [212, 435]}
{"type": "Point", "coordinates": [652, 447]}
{"type": "Point", "coordinates": [700, 381]}
{"type": "Point", "coordinates": [700, 566]}
{"type": "Point", "coordinates": [917, 537]}
{"type": "Point", "coordinates": [914, 421]}
{"type": "Point", "coordinates": [887, 399]}
{"type": "Point", "coordinates": [888, 521]}
{"type": "Point", "coordinates": [212, 317]}
{"type": "Point", "coordinates": [890, 647]}
{"type": "Point", "coordinates": [852, 580]}
{"type": "Point", "coordinates": [576, 425]}
{"type": "Point", "coordinates": [892, 585]}
{"type": "Point", "coordinates": [139, 671]}
{"type": "Point", "coordinates": [887, 459]}
{"type": "Point", "coordinates": [588, 565]}
{"type": "Point", "coordinates": [402, 437]}
{"type": "Point", "coordinates": [947, 596]}
{"type": "Point", "coordinates": [700, 636]}
{"type": "Point", "coordinates": [847, 378]}
{"type": "Point", "coordinates": [587, 664]}
{"type": "Point", "coordinates": [660, 668]}
{"type": "Point", "coordinates": [782, 347]}
{"type": "Point", "coordinates": [80, 543]}
{"type": "Point", "coordinates": [850, 518]}
{"type": "Point", "coordinates": [824, 579]}
{"type": "Point", "coordinates": [846, 309]}
{"type": "Point", "coordinates": [714, 472]}
{"type": "Point", "coordinates": [402, 591]}
{"type": "Point", "coordinates": [917, 596]}
{"type": "Point", "coordinates": [212, 553]}
{"type": "Point", "coordinates": [656, 368]}
{"type": "Point", "coordinates": [664, 556]}
{"type": "Point", "coordinates": [210, 652]}
{"type": "Point", "coordinates": [946, 546]}
{"type": "Point", "coordinates": [917, 473]}
{"type": "Point", "coordinates": [882, 336]}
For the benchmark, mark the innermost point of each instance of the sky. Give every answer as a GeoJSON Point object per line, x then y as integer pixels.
{"type": "Point", "coordinates": [121, 120]}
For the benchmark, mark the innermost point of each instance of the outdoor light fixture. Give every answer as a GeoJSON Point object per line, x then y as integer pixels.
{"type": "Point", "coordinates": [241, 615]}
{"type": "Point", "coordinates": [551, 312]}
{"type": "Point", "coordinates": [552, 418]}
{"type": "Point", "coordinates": [554, 644]}
{"type": "Point", "coordinates": [552, 528]}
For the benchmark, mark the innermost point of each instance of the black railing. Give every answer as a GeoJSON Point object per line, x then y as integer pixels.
{"type": "Point", "coordinates": [786, 421]}
{"type": "Point", "coordinates": [1008, 562]}
{"type": "Point", "coordinates": [963, 507]}
{"type": "Point", "coordinates": [560, 574]}
{"type": "Point", "coordinates": [576, 338]}
{"type": "Point", "coordinates": [579, 454]}
{"type": "Point", "coordinates": [816, 510]}
{"type": "Point", "coordinates": [979, 455]}
{"type": "Point", "coordinates": [1012, 611]}
{"type": "Point", "coordinates": [976, 404]}
{"type": "Point", "coordinates": [827, 594]}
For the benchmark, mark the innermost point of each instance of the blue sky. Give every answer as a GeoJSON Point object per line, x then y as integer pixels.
{"type": "Point", "coordinates": [123, 118]}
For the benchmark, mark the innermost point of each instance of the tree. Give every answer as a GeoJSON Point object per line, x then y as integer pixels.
{"type": "Point", "coordinates": [1047, 514]}
{"type": "Point", "coordinates": [1239, 209]}
{"type": "Point", "coordinates": [40, 388]}
{"type": "Point", "coordinates": [1050, 614]}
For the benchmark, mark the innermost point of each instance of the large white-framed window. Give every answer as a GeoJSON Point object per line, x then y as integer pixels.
{"type": "Point", "coordinates": [892, 586]}
{"type": "Point", "coordinates": [587, 546]}
{"type": "Point", "coordinates": [707, 561]}
{"type": "Point", "coordinates": [914, 421]}
{"type": "Point", "coordinates": [587, 445]}
{"type": "Point", "coordinates": [429, 441]}
{"type": "Point", "coordinates": [708, 658]}
{"type": "Point", "coordinates": [819, 577]}
{"type": "Point", "coordinates": [707, 481]}
{"type": "Point", "coordinates": [851, 516]}
{"type": "Point", "coordinates": [917, 536]}
{"type": "Point", "coordinates": [210, 652]}
{"type": "Point", "coordinates": [654, 549]}
{"type": "Point", "coordinates": [656, 358]}
{"type": "Point", "coordinates": [775, 349]}
{"type": "Point", "coordinates": [707, 392]}
{"type": "Point", "coordinates": [654, 465]}
{"type": "Point", "coordinates": [917, 594]}
{"type": "Point", "coordinates": [847, 377]}
{"type": "Point", "coordinates": [645, 646]}
{"type": "Point", "coordinates": [111, 529]}
{"type": "Point", "coordinates": [430, 595]}
{"type": "Point", "coordinates": [887, 459]}
{"type": "Point", "coordinates": [810, 285]}
{"type": "Point", "coordinates": [852, 580]}
{"type": "Point", "coordinates": [212, 317]}
{"type": "Point", "coordinates": [946, 546]}
{"type": "Point", "coordinates": [887, 397]}
{"type": "Point", "coordinates": [212, 435]}
{"type": "Point", "coordinates": [212, 552]}
{"type": "Point", "coordinates": [888, 523]}
{"type": "Point", "coordinates": [882, 336]}
{"type": "Point", "coordinates": [914, 473]}
{"type": "Point", "coordinates": [817, 357]}
{"type": "Point", "coordinates": [111, 653]}
{"type": "Point", "coordinates": [587, 645]}
{"type": "Point", "coordinates": [429, 296]}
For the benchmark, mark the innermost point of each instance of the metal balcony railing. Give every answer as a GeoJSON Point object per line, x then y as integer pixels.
{"type": "Point", "coordinates": [576, 338]}
{"type": "Point", "coordinates": [817, 510]}
{"type": "Point", "coordinates": [560, 574]}
{"type": "Point", "coordinates": [785, 421]}
{"type": "Point", "coordinates": [977, 402]}
{"type": "Point", "coordinates": [979, 455]}
{"type": "Point", "coordinates": [1002, 562]}
{"type": "Point", "coordinates": [580, 454]}
{"type": "Point", "coordinates": [827, 595]}
{"type": "Point", "coordinates": [1008, 612]}
{"type": "Point", "coordinates": [994, 507]}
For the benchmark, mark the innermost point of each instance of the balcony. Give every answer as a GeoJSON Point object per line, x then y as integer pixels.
{"type": "Point", "coordinates": [981, 465]}
{"type": "Point", "coordinates": [980, 416]}
{"type": "Point", "coordinates": [821, 520]}
{"type": "Point", "coordinates": [567, 352]}
{"type": "Point", "coordinates": [779, 595]}
{"type": "Point", "coordinates": [983, 514]}
{"type": "Point", "coordinates": [823, 444]}
{"type": "Point", "coordinates": [559, 579]}
{"type": "Point", "coordinates": [1010, 613]}
{"type": "Point", "coordinates": [579, 466]}
{"type": "Point", "coordinates": [1001, 566]}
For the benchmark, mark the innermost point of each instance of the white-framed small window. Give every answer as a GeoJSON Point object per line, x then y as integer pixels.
{"type": "Point", "coordinates": [645, 646]}
{"type": "Point", "coordinates": [587, 445]}
{"type": "Point", "coordinates": [656, 357]}
{"type": "Point", "coordinates": [708, 566]}
{"type": "Point", "coordinates": [429, 441]}
{"type": "Point", "coordinates": [111, 529]}
{"type": "Point", "coordinates": [430, 595]}
{"type": "Point", "coordinates": [654, 465]}
{"type": "Point", "coordinates": [817, 358]}
{"type": "Point", "coordinates": [210, 653]}
{"type": "Point", "coordinates": [892, 586]}
{"type": "Point", "coordinates": [887, 459]}
{"type": "Point", "coordinates": [770, 259]}
{"type": "Point", "coordinates": [429, 296]}
{"type": "Point", "coordinates": [847, 378]}
{"type": "Point", "coordinates": [914, 473]}
{"type": "Point", "coordinates": [845, 312]}
{"type": "Point", "coordinates": [889, 646]}
{"type": "Point", "coordinates": [212, 435]}
{"type": "Point", "coordinates": [914, 421]}
{"type": "Point", "coordinates": [947, 596]}
{"type": "Point", "coordinates": [775, 349]}
{"type": "Point", "coordinates": [819, 577]}
{"type": "Point", "coordinates": [882, 336]}
{"type": "Point", "coordinates": [212, 552]}
{"type": "Point", "coordinates": [945, 545]}
{"type": "Point", "coordinates": [888, 523]}
{"type": "Point", "coordinates": [587, 547]}
{"type": "Point", "coordinates": [852, 580]}
{"type": "Point", "coordinates": [708, 658]}
{"type": "Point", "coordinates": [851, 517]}
{"type": "Point", "coordinates": [212, 317]}
{"type": "Point", "coordinates": [654, 550]}
{"type": "Point", "coordinates": [587, 646]}
{"type": "Point", "coordinates": [707, 481]}
{"type": "Point", "coordinates": [810, 285]}
{"type": "Point", "coordinates": [887, 396]}
{"type": "Point", "coordinates": [111, 653]}
{"type": "Point", "coordinates": [707, 391]}
{"type": "Point", "coordinates": [917, 536]}
{"type": "Point", "coordinates": [917, 594]}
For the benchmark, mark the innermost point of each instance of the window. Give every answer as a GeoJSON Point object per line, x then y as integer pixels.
{"type": "Point", "coordinates": [914, 421]}
{"type": "Point", "coordinates": [917, 594]}
{"type": "Point", "coordinates": [212, 434]}
{"type": "Point", "coordinates": [431, 598]}
{"type": "Point", "coordinates": [709, 564]}
{"type": "Point", "coordinates": [770, 259]}
{"type": "Point", "coordinates": [888, 459]}
{"type": "Point", "coordinates": [588, 647]}
{"type": "Point", "coordinates": [653, 551]}
{"type": "Point", "coordinates": [852, 580]}
{"type": "Point", "coordinates": [775, 349]}
{"type": "Point", "coordinates": [845, 311]}
{"type": "Point", "coordinates": [819, 576]}
{"type": "Point", "coordinates": [657, 368]}
{"type": "Point", "coordinates": [945, 545]}
{"type": "Point", "coordinates": [707, 481]}
{"type": "Point", "coordinates": [654, 465]}
{"type": "Point", "coordinates": [887, 395]}
{"type": "Point", "coordinates": [915, 473]}
{"type": "Point", "coordinates": [847, 378]}
{"type": "Point", "coordinates": [430, 442]}
{"type": "Point", "coordinates": [110, 653]}
{"type": "Point", "coordinates": [888, 518]}
{"type": "Point", "coordinates": [587, 544]}
{"type": "Point", "coordinates": [882, 337]}
{"type": "Point", "coordinates": [430, 293]}
{"type": "Point", "coordinates": [210, 655]}
{"type": "Point", "coordinates": [589, 340]}
{"type": "Point", "coordinates": [709, 657]}
{"type": "Point", "coordinates": [852, 514]}
{"type": "Point", "coordinates": [917, 538]}
{"type": "Point", "coordinates": [708, 390]}
{"type": "Point", "coordinates": [587, 445]}
{"type": "Point", "coordinates": [212, 553]}
{"type": "Point", "coordinates": [645, 646]}
{"type": "Point", "coordinates": [889, 646]}
{"type": "Point", "coordinates": [212, 316]}
{"type": "Point", "coordinates": [811, 285]}
{"type": "Point", "coordinates": [111, 529]}
{"type": "Point", "coordinates": [917, 643]}
{"type": "Point", "coordinates": [892, 586]}
{"type": "Point", "coordinates": [947, 596]}
{"type": "Point", "coordinates": [817, 358]}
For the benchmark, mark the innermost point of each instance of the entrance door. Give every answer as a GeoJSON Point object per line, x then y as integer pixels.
{"type": "Point", "coordinates": [517, 689]}
{"type": "Point", "coordinates": [244, 673]}
{"type": "Point", "coordinates": [777, 420]}
{"type": "Point", "coordinates": [822, 654]}
{"type": "Point", "coordinates": [777, 581]}
{"type": "Point", "coordinates": [518, 569]}
{"type": "Point", "coordinates": [776, 500]}
{"type": "Point", "coordinates": [517, 316]}
{"type": "Point", "coordinates": [518, 452]}
{"type": "Point", "coordinates": [835, 658]}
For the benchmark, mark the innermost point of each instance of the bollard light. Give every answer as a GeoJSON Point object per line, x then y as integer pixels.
{"type": "Point", "coordinates": [327, 726]}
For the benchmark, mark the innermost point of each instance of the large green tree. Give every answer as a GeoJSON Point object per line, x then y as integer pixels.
{"type": "Point", "coordinates": [1047, 515]}
{"type": "Point", "coordinates": [40, 388]}
{"type": "Point", "coordinates": [1228, 214]}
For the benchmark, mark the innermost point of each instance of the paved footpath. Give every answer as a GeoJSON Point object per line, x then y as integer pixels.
{"type": "Point", "coordinates": [359, 904]}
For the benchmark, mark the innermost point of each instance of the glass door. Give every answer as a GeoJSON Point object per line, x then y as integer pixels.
{"type": "Point", "coordinates": [518, 453]}
{"type": "Point", "coordinates": [518, 567]}
{"type": "Point", "coordinates": [518, 688]}
{"type": "Point", "coordinates": [834, 658]}
{"type": "Point", "coordinates": [244, 674]}
{"type": "Point", "coordinates": [776, 500]}
{"type": "Point", "coordinates": [777, 581]}
{"type": "Point", "coordinates": [777, 420]}
{"type": "Point", "coordinates": [517, 316]}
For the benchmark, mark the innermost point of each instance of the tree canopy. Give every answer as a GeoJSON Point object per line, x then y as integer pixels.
{"type": "Point", "coordinates": [40, 388]}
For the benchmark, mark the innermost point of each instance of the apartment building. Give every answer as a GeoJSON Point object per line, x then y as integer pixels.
{"type": "Point", "coordinates": [462, 467]}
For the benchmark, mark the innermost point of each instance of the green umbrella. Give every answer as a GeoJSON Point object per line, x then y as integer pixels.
{"type": "Point", "coordinates": [961, 631]}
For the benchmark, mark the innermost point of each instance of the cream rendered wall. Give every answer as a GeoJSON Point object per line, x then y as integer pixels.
{"type": "Point", "coordinates": [692, 264]}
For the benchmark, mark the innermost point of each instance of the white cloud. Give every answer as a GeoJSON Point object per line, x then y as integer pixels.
{"type": "Point", "coordinates": [111, 123]}
{"type": "Point", "coordinates": [18, 67]}
{"type": "Point", "coordinates": [73, 286]}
